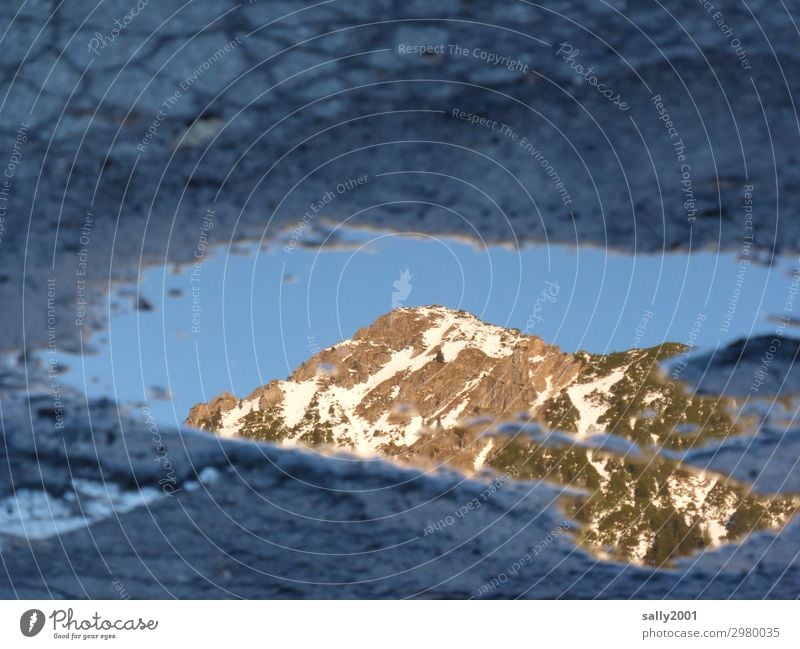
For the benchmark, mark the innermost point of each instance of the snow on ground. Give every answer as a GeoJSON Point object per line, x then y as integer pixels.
{"type": "Point", "coordinates": [480, 459]}
{"type": "Point", "coordinates": [296, 397]}
{"type": "Point", "coordinates": [454, 416]}
{"type": "Point", "coordinates": [715, 522]}
{"type": "Point", "coordinates": [645, 542]}
{"type": "Point", "coordinates": [543, 396]}
{"type": "Point", "coordinates": [37, 514]}
{"type": "Point", "coordinates": [455, 332]}
{"type": "Point", "coordinates": [230, 418]}
{"type": "Point", "coordinates": [599, 465]}
{"type": "Point", "coordinates": [690, 491]}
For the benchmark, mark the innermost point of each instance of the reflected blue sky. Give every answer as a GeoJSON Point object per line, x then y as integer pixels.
{"type": "Point", "coordinates": [265, 311]}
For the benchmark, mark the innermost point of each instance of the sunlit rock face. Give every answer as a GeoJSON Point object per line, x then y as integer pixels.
{"type": "Point", "coordinates": [433, 386]}
{"type": "Point", "coordinates": [431, 369]}
{"type": "Point", "coordinates": [411, 371]}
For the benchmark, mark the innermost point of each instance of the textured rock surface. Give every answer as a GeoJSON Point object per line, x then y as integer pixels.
{"type": "Point", "coordinates": [315, 95]}
{"type": "Point", "coordinates": [762, 365]}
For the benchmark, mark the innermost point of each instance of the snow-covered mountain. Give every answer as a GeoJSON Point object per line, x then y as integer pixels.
{"type": "Point", "coordinates": [434, 369]}
{"type": "Point", "coordinates": [411, 370]}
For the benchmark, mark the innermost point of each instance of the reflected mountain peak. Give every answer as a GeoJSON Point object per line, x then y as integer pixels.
{"type": "Point", "coordinates": [434, 386]}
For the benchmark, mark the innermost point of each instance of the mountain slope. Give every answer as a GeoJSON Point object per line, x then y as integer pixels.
{"type": "Point", "coordinates": [430, 386]}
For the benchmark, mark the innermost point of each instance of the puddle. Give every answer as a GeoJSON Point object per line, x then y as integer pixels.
{"type": "Point", "coordinates": [248, 315]}
{"type": "Point", "coordinates": [37, 514]}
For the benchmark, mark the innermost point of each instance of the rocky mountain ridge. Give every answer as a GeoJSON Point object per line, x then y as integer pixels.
{"type": "Point", "coordinates": [432, 369]}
